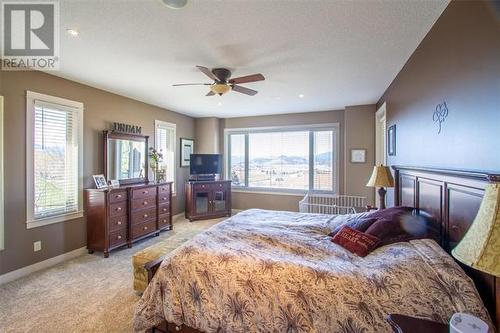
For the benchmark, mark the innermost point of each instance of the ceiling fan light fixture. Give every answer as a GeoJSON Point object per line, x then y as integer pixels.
{"type": "Point", "coordinates": [220, 88]}
{"type": "Point", "coordinates": [175, 4]}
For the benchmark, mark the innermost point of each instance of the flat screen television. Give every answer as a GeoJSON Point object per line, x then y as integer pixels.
{"type": "Point", "coordinates": [205, 164]}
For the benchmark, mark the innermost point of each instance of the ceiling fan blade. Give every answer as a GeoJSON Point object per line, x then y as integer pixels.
{"type": "Point", "coordinates": [207, 72]}
{"type": "Point", "coordinates": [248, 78]}
{"type": "Point", "coordinates": [210, 93]}
{"type": "Point", "coordinates": [244, 90]}
{"type": "Point", "coordinates": [191, 84]}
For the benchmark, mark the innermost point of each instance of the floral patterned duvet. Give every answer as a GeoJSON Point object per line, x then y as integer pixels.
{"type": "Point", "coordinates": [269, 271]}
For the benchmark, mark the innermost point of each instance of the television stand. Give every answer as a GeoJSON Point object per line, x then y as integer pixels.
{"type": "Point", "coordinates": [208, 199]}
{"type": "Point", "coordinates": [203, 178]}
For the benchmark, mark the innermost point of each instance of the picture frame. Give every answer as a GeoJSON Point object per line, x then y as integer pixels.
{"type": "Point", "coordinates": [187, 148]}
{"type": "Point", "coordinates": [358, 155]}
{"type": "Point", "coordinates": [100, 181]}
{"type": "Point", "coordinates": [391, 140]}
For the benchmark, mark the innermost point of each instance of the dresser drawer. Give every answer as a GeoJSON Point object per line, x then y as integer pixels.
{"type": "Point", "coordinates": [141, 203]}
{"type": "Point", "coordinates": [164, 189]}
{"type": "Point", "coordinates": [163, 220]}
{"type": "Point", "coordinates": [118, 237]}
{"type": "Point", "coordinates": [220, 186]}
{"type": "Point", "coordinates": [143, 215]}
{"type": "Point", "coordinates": [117, 196]}
{"type": "Point", "coordinates": [117, 209]}
{"type": "Point", "coordinates": [198, 187]}
{"type": "Point", "coordinates": [117, 223]}
{"type": "Point", "coordinates": [163, 198]}
{"type": "Point", "coordinates": [143, 192]}
{"type": "Point", "coordinates": [164, 209]}
{"type": "Point", "coordinates": [143, 228]}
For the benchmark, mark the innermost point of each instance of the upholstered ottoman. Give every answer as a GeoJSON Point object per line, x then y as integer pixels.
{"type": "Point", "coordinates": [148, 254]}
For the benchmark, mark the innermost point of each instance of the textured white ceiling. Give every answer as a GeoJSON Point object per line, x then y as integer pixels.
{"type": "Point", "coordinates": [336, 53]}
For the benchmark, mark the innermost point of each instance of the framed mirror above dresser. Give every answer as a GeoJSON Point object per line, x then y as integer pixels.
{"type": "Point", "coordinates": [138, 208]}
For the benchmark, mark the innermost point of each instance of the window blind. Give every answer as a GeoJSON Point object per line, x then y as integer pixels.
{"type": "Point", "coordinates": [165, 142]}
{"type": "Point", "coordinates": [55, 160]}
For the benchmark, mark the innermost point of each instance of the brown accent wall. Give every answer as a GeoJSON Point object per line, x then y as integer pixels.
{"type": "Point", "coordinates": [207, 135]}
{"type": "Point", "coordinates": [101, 108]}
{"type": "Point", "coordinates": [458, 62]}
{"type": "Point", "coordinates": [359, 134]}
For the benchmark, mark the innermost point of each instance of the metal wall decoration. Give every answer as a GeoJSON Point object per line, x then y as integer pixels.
{"type": "Point", "coordinates": [440, 115]}
{"type": "Point", "coordinates": [126, 128]}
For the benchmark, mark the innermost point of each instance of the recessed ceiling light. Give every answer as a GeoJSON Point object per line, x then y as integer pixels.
{"type": "Point", "coordinates": [72, 32]}
{"type": "Point", "coordinates": [175, 4]}
{"type": "Point", "coordinates": [301, 96]}
{"type": "Point", "coordinates": [219, 104]}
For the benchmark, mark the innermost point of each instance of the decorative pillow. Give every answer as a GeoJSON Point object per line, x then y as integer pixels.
{"type": "Point", "coordinates": [359, 224]}
{"type": "Point", "coordinates": [355, 241]}
{"type": "Point", "coordinates": [389, 213]}
{"type": "Point", "coordinates": [399, 228]}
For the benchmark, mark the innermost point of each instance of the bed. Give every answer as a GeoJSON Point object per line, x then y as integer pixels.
{"type": "Point", "coordinates": [265, 271]}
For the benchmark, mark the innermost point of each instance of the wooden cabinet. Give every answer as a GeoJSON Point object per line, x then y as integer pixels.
{"type": "Point", "coordinates": [208, 199]}
{"type": "Point", "coordinates": [118, 217]}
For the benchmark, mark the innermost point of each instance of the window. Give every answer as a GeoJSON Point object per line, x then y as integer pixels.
{"type": "Point", "coordinates": [295, 159]}
{"type": "Point", "coordinates": [54, 159]}
{"type": "Point", "coordinates": [165, 137]}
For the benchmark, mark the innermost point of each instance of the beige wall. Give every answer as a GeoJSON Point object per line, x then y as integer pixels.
{"type": "Point", "coordinates": [359, 133]}
{"type": "Point", "coordinates": [276, 201]}
{"type": "Point", "coordinates": [101, 108]}
{"type": "Point", "coordinates": [207, 135]}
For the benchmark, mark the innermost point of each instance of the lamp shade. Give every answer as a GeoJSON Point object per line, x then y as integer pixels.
{"type": "Point", "coordinates": [381, 177]}
{"type": "Point", "coordinates": [480, 247]}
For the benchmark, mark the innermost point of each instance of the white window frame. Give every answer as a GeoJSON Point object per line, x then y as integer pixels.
{"type": "Point", "coordinates": [335, 127]}
{"type": "Point", "coordinates": [169, 126]}
{"type": "Point", "coordinates": [31, 221]}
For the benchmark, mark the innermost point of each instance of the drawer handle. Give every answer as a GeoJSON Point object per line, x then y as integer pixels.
{"type": "Point", "coordinates": [145, 228]}
{"type": "Point", "coordinates": [145, 203]}
{"type": "Point", "coordinates": [118, 209]}
{"type": "Point", "coordinates": [118, 196]}
{"type": "Point", "coordinates": [145, 215]}
{"type": "Point", "coordinates": [145, 192]}
{"type": "Point", "coordinates": [164, 198]}
{"type": "Point", "coordinates": [119, 222]}
{"type": "Point", "coordinates": [164, 221]}
{"type": "Point", "coordinates": [119, 237]}
{"type": "Point", "coordinates": [164, 209]}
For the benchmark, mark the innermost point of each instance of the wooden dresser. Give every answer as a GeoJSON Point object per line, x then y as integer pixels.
{"type": "Point", "coordinates": [208, 199]}
{"type": "Point", "coordinates": [120, 216]}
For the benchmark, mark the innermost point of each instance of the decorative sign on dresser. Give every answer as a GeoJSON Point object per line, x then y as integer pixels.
{"type": "Point", "coordinates": [137, 208]}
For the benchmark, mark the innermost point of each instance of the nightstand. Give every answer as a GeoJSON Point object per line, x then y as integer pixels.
{"type": "Point", "coordinates": [406, 324]}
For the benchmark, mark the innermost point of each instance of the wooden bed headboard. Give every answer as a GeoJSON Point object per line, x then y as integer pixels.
{"type": "Point", "coordinates": [452, 197]}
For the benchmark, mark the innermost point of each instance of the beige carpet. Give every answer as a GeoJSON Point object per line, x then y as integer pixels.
{"type": "Point", "coordinates": [85, 294]}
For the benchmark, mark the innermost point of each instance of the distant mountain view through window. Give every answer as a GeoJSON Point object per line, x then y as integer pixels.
{"type": "Point", "coordinates": [283, 160]}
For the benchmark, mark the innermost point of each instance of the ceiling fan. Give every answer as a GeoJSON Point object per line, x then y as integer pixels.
{"type": "Point", "coordinates": [223, 84]}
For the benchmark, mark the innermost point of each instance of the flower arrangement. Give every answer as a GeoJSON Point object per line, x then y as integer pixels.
{"type": "Point", "coordinates": [155, 158]}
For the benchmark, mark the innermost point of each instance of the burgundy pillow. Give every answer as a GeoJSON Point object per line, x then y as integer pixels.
{"type": "Point", "coordinates": [355, 241]}
{"type": "Point", "coordinates": [389, 213]}
{"type": "Point", "coordinates": [359, 224]}
{"type": "Point", "coordinates": [400, 228]}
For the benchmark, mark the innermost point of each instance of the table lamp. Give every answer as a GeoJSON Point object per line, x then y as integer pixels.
{"type": "Point", "coordinates": [480, 247]}
{"type": "Point", "coordinates": [381, 177]}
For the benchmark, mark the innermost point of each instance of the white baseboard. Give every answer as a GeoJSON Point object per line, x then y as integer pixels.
{"type": "Point", "coordinates": [19, 273]}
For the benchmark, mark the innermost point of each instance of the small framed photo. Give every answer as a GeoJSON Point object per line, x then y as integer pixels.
{"type": "Point", "coordinates": [187, 148]}
{"type": "Point", "coordinates": [391, 140]}
{"type": "Point", "coordinates": [358, 155]}
{"type": "Point", "coordinates": [100, 181]}
{"type": "Point", "coordinates": [114, 183]}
